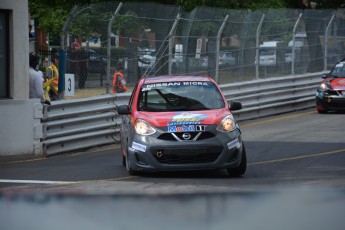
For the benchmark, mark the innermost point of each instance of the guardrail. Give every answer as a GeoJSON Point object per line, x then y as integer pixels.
{"type": "Point", "coordinates": [79, 123]}
{"type": "Point", "coordinates": [83, 123]}
{"type": "Point", "coordinates": [273, 96]}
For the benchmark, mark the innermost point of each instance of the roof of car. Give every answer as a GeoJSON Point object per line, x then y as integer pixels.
{"type": "Point", "coordinates": [171, 78]}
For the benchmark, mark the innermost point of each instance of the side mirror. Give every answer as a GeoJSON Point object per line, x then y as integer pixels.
{"type": "Point", "coordinates": [235, 105]}
{"type": "Point", "coordinates": [324, 75]}
{"type": "Point", "coordinates": [123, 110]}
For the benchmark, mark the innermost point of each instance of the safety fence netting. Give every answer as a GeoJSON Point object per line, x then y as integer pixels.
{"type": "Point", "coordinates": [149, 39]}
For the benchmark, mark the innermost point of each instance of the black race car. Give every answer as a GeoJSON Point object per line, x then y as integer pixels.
{"type": "Point", "coordinates": [330, 96]}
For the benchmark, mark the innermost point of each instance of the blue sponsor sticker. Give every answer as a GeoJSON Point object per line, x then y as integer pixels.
{"type": "Point", "coordinates": [235, 143]}
{"type": "Point", "coordinates": [186, 128]}
{"type": "Point", "coordinates": [138, 146]}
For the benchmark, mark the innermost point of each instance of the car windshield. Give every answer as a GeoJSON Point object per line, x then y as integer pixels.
{"type": "Point", "coordinates": [179, 96]}
{"type": "Point", "coordinates": [338, 70]}
{"type": "Point", "coordinates": [267, 52]}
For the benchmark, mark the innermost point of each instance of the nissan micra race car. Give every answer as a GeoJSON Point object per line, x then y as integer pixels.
{"type": "Point", "coordinates": [175, 123]}
{"type": "Point", "coordinates": [331, 93]}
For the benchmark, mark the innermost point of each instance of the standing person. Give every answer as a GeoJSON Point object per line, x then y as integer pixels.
{"type": "Point", "coordinates": [35, 78]}
{"type": "Point", "coordinates": [53, 78]}
{"type": "Point", "coordinates": [79, 58]}
{"type": "Point", "coordinates": [119, 81]}
{"type": "Point", "coordinates": [82, 66]}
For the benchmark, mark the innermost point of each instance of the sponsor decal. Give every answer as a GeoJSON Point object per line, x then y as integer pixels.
{"type": "Point", "coordinates": [158, 85]}
{"type": "Point", "coordinates": [319, 94]}
{"type": "Point", "coordinates": [201, 128]}
{"type": "Point", "coordinates": [186, 128]}
{"type": "Point", "coordinates": [235, 143]}
{"type": "Point", "coordinates": [139, 147]}
{"type": "Point", "coordinates": [148, 87]}
{"type": "Point", "coordinates": [195, 83]}
{"type": "Point", "coordinates": [187, 119]}
{"type": "Point", "coordinates": [340, 85]}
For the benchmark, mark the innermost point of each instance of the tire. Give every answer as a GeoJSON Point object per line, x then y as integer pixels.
{"type": "Point", "coordinates": [241, 169]}
{"type": "Point", "coordinates": [320, 108]}
{"type": "Point", "coordinates": [322, 111]}
{"type": "Point", "coordinates": [129, 169]}
{"type": "Point", "coordinates": [123, 158]}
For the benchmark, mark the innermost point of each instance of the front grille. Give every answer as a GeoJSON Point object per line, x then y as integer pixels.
{"type": "Point", "coordinates": [187, 156]}
{"type": "Point", "coordinates": [206, 135]}
{"type": "Point", "coordinates": [335, 103]}
{"type": "Point", "coordinates": [171, 136]}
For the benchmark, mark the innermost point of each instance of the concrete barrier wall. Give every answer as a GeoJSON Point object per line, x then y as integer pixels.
{"type": "Point", "coordinates": [20, 127]}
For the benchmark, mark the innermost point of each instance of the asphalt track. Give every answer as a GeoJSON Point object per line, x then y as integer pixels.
{"type": "Point", "coordinates": [295, 149]}
{"type": "Point", "coordinates": [295, 179]}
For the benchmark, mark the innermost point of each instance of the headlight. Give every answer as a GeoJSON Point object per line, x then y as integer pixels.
{"type": "Point", "coordinates": [143, 128]}
{"type": "Point", "coordinates": [227, 124]}
{"type": "Point", "coordinates": [324, 86]}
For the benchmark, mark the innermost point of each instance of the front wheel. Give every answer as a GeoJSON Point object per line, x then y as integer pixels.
{"type": "Point", "coordinates": [129, 168]}
{"type": "Point", "coordinates": [241, 169]}
{"type": "Point", "coordinates": [320, 108]}
{"type": "Point", "coordinates": [123, 158]}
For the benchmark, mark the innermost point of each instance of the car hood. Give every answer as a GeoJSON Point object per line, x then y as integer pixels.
{"type": "Point", "coordinates": [209, 117]}
{"type": "Point", "coordinates": [338, 84]}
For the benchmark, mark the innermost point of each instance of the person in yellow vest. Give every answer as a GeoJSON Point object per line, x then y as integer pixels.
{"type": "Point", "coordinates": [119, 81]}
{"type": "Point", "coordinates": [51, 85]}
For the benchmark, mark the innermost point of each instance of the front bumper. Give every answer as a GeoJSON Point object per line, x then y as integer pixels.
{"type": "Point", "coordinates": [329, 101]}
{"type": "Point", "coordinates": [222, 151]}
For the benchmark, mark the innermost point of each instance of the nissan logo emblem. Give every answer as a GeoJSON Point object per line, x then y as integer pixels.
{"type": "Point", "coordinates": [186, 136]}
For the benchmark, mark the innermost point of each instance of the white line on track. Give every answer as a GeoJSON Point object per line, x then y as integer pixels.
{"type": "Point", "coordinates": [34, 182]}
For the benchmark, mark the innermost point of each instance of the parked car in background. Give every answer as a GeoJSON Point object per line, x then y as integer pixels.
{"type": "Point", "coordinates": [179, 123]}
{"type": "Point", "coordinates": [330, 96]}
{"type": "Point", "coordinates": [96, 62]}
{"type": "Point", "coordinates": [226, 59]}
{"type": "Point", "coordinates": [268, 53]}
{"type": "Point", "coordinates": [147, 57]}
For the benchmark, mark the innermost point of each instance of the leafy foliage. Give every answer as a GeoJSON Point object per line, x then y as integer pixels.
{"type": "Point", "coordinates": [50, 16]}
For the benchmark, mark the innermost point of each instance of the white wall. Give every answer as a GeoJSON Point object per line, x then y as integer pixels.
{"type": "Point", "coordinates": [17, 115]}
{"type": "Point", "coordinates": [21, 129]}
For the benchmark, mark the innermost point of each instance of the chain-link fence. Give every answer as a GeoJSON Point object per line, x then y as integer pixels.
{"type": "Point", "coordinates": [146, 39]}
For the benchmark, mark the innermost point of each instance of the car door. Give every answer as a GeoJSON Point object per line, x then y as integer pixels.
{"type": "Point", "coordinates": [127, 125]}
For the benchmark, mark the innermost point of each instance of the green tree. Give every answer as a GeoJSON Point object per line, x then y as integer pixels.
{"type": "Point", "coordinates": [50, 16]}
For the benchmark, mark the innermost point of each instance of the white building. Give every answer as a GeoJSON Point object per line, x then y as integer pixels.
{"type": "Point", "coordinates": [19, 134]}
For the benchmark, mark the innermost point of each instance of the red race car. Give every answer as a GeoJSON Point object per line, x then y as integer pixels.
{"type": "Point", "coordinates": [330, 96]}
{"type": "Point", "coordinates": [179, 123]}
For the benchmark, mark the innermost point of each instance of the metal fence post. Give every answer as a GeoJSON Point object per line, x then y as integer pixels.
{"type": "Point", "coordinates": [171, 37]}
{"type": "Point", "coordinates": [220, 31]}
{"type": "Point", "coordinates": [66, 24]}
{"type": "Point", "coordinates": [62, 65]}
{"type": "Point", "coordinates": [326, 43]}
{"type": "Point", "coordinates": [257, 53]}
{"type": "Point", "coordinates": [109, 45]}
{"type": "Point", "coordinates": [293, 55]}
